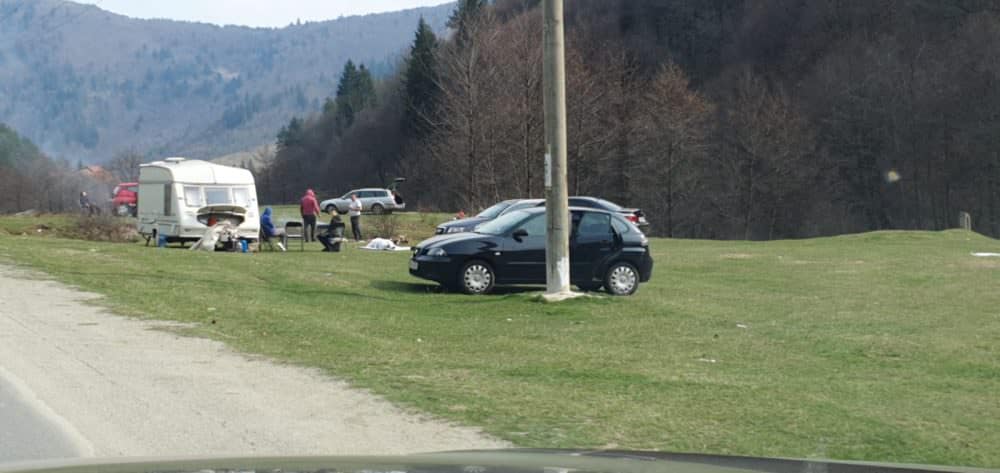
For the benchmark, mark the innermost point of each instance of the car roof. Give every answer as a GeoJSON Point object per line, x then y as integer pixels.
{"type": "Point", "coordinates": [365, 190]}
{"type": "Point", "coordinates": [538, 210]}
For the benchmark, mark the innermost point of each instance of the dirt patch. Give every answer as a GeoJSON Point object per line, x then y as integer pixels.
{"type": "Point", "coordinates": [983, 263]}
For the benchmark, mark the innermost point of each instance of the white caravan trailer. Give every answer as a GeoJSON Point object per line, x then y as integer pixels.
{"type": "Point", "coordinates": [179, 198]}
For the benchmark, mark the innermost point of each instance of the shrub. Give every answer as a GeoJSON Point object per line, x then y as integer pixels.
{"type": "Point", "coordinates": [385, 225]}
{"type": "Point", "coordinates": [103, 228]}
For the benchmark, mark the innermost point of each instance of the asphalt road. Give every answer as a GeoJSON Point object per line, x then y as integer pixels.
{"type": "Point", "coordinates": [27, 431]}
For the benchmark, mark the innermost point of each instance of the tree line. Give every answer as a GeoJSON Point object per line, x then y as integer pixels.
{"type": "Point", "coordinates": [31, 180]}
{"type": "Point", "coordinates": [721, 119]}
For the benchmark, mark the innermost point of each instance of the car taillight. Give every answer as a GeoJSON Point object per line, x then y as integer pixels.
{"type": "Point", "coordinates": [632, 218]}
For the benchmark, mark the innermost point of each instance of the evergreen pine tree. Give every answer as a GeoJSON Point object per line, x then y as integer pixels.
{"type": "Point", "coordinates": [420, 83]}
{"type": "Point", "coordinates": [355, 92]}
{"type": "Point", "coordinates": [466, 13]}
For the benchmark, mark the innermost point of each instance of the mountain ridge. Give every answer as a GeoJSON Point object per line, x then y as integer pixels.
{"type": "Point", "coordinates": [85, 83]}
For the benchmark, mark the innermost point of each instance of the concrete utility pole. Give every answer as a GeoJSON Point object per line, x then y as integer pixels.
{"type": "Point", "coordinates": [556, 193]}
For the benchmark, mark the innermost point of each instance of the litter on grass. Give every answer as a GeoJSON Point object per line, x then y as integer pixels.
{"type": "Point", "coordinates": [986, 255]}
{"type": "Point", "coordinates": [383, 244]}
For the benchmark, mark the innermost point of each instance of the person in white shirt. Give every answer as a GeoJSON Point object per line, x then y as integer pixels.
{"type": "Point", "coordinates": [355, 213]}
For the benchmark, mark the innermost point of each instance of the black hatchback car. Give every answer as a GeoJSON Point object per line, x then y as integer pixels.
{"type": "Point", "coordinates": [605, 250]}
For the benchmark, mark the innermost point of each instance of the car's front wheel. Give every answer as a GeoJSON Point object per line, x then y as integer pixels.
{"type": "Point", "coordinates": [477, 277]}
{"type": "Point", "coordinates": [622, 279]}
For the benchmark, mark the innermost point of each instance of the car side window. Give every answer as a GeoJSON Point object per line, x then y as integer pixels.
{"type": "Point", "coordinates": [594, 225]}
{"type": "Point", "coordinates": [581, 203]}
{"type": "Point", "coordinates": [621, 226]}
{"type": "Point", "coordinates": [535, 226]}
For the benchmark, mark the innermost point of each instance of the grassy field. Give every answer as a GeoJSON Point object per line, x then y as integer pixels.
{"type": "Point", "coordinates": [882, 346]}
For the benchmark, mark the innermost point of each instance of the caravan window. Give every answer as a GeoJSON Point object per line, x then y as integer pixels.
{"type": "Point", "coordinates": [168, 209]}
{"type": "Point", "coordinates": [217, 195]}
{"type": "Point", "coordinates": [241, 196]}
{"type": "Point", "coordinates": [192, 196]}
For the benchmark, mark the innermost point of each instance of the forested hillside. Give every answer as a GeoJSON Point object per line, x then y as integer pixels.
{"type": "Point", "coordinates": [30, 180]}
{"type": "Point", "coordinates": [84, 83]}
{"type": "Point", "coordinates": [749, 119]}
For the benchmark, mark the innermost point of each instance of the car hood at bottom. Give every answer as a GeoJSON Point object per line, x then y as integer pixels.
{"type": "Point", "coordinates": [499, 461]}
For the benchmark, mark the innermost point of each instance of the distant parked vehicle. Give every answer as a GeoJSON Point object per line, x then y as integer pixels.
{"type": "Point", "coordinates": [125, 199]}
{"type": "Point", "coordinates": [373, 200]}
{"type": "Point", "coordinates": [636, 216]}
{"type": "Point", "coordinates": [470, 224]}
{"type": "Point", "coordinates": [605, 250]}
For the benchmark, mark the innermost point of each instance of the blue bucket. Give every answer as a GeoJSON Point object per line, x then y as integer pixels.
{"type": "Point", "coordinates": [162, 242]}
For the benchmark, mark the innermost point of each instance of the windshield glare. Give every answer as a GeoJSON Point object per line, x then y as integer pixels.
{"type": "Point", "coordinates": [503, 224]}
{"type": "Point", "coordinates": [494, 211]}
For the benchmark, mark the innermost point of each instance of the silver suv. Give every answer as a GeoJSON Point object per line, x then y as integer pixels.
{"type": "Point", "coordinates": [373, 200]}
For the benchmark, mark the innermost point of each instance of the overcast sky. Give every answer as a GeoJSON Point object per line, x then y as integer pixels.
{"type": "Point", "coordinates": [255, 12]}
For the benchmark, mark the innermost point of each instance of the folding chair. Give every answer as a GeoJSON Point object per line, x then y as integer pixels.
{"type": "Point", "coordinates": [293, 230]}
{"type": "Point", "coordinates": [269, 241]}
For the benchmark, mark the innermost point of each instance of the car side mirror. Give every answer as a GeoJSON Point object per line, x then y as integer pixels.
{"type": "Point", "coordinates": [519, 234]}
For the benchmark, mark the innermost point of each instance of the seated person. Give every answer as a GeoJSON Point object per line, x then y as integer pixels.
{"type": "Point", "coordinates": [334, 234]}
{"type": "Point", "coordinates": [267, 230]}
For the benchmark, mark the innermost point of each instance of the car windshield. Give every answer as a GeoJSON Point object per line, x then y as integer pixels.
{"type": "Point", "coordinates": [524, 204]}
{"type": "Point", "coordinates": [502, 224]}
{"type": "Point", "coordinates": [495, 210]}
{"type": "Point", "coordinates": [608, 205]}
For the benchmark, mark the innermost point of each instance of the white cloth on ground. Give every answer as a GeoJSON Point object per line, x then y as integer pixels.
{"type": "Point", "coordinates": [383, 244]}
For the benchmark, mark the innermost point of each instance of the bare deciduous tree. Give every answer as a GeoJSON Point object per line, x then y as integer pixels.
{"type": "Point", "coordinates": [675, 129]}
{"type": "Point", "coordinates": [125, 165]}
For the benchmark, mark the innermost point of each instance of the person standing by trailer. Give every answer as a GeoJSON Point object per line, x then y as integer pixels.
{"type": "Point", "coordinates": [355, 209]}
{"type": "Point", "coordinates": [310, 209]}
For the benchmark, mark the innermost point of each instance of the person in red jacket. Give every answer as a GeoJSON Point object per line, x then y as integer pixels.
{"type": "Point", "coordinates": [310, 209]}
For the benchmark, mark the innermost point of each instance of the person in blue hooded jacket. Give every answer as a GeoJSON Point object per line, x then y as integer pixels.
{"type": "Point", "coordinates": [267, 229]}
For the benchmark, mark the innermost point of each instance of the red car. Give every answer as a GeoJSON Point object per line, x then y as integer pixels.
{"type": "Point", "coordinates": [125, 199]}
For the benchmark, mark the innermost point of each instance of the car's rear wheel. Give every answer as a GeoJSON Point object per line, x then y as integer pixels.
{"type": "Point", "coordinates": [330, 208]}
{"type": "Point", "coordinates": [477, 277]}
{"type": "Point", "coordinates": [622, 279]}
{"type": "Point", "coordinates": [377, 209]}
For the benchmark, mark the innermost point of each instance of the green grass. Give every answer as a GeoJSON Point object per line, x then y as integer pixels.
{"type": "Point", "coordinates": [882, 346]}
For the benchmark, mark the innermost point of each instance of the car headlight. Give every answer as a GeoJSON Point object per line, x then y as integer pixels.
{"type": "Point", "coordinates": [456, 230]}
{"type": "Point", "coordinates": [437, 252]}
